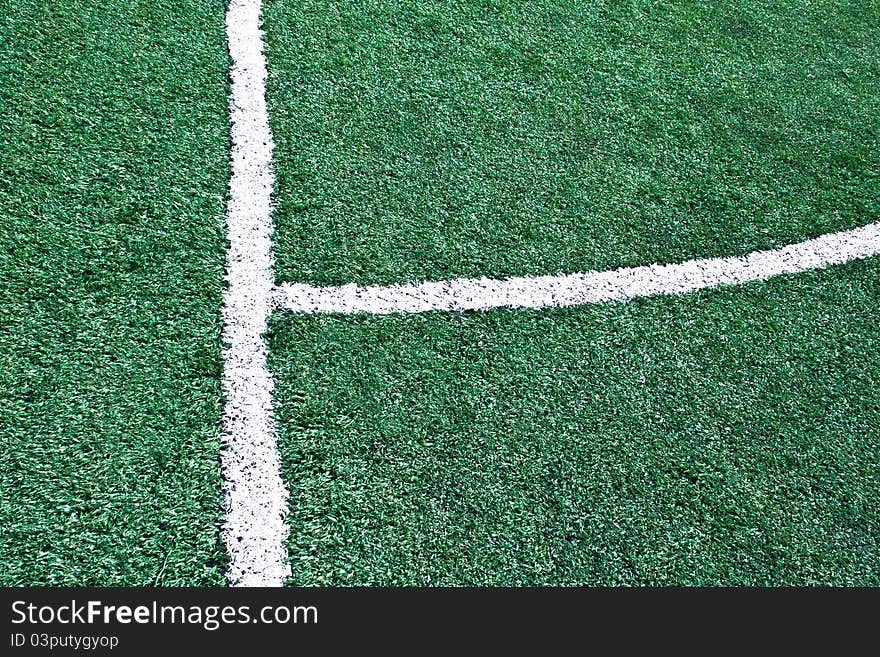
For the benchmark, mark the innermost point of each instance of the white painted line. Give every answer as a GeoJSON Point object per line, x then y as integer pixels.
{"type": "Point", "coordinates": [576, 289]}
{"type": "Point", "coordinates": [255, 499]}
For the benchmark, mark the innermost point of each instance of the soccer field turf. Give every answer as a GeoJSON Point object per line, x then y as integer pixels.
{"type": "Point", "coordinates": [483, 138]}
{"type": "Point", "coordinates": [724, 436]}
{"type": "Point", "coordinates": [113, 172]}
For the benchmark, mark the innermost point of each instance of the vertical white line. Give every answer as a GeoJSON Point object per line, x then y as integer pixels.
{"type": "Point", "coordinates": [255, 499]}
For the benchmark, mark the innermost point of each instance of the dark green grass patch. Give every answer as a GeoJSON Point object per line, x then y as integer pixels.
{"type": "Point", "coordinates": [480, 137]}
{"type": "Point", "coordinates": [723, 437]}
{"type": "Point", "coordinates": [113, 169]}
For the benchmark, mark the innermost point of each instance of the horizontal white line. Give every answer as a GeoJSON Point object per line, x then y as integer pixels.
{"type": "Point", "coordinates": [463, 294]}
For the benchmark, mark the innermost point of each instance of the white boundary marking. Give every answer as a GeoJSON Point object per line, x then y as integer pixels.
{"type": "Point", "coordinates": [463, 294]}
{"type": "Point", "coordinates": [255, 499]}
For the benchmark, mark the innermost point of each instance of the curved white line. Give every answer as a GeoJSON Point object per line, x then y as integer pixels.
{"type": "Point", "coordinates": [463, 294]}
{"type": "Point", "coordinates": [255, 499]}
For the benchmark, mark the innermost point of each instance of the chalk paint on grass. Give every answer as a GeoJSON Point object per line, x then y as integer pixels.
{"type": "Point", "coordinates": [255, 499]}
{"type": "Point", "coordinates": [464, 294]}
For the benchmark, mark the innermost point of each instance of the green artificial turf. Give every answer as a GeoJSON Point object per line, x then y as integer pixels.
{"type": "Point", "coordinates": [486, 137]}
{"type": "Point", "coordinates": [724, 437]}
{"type": "Point", "coordinates": [113, 170]}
